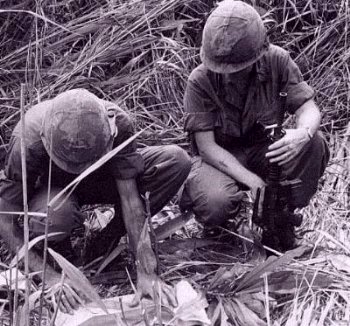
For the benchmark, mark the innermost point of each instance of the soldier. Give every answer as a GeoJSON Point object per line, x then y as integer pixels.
{"type": "Point", "coordinates": [74, 130]}
{"type": "Point", "coordinates": [228, 97]}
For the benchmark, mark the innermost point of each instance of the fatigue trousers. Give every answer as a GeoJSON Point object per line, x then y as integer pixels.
{"type": "Point", "coordinates": [214, 196]}
{"type": "Point", "coordinates": [166, 168]}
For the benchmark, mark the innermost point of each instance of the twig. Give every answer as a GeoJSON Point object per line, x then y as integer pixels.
{"type": "Point", "coordinates": [251, 241]}
{"type": "Point", "coordinates": [15, 300]}
{"type": "Point", "coordinates": [122, 310]}
{"type": "Point", "coordinates": [42, 295]}
{"type": "Point", "coordinates": [157, 293]}
{"type": "Point", "coordinates": [267, 307]}
{"type": "Point", "coordinates": [52, 321]}
{"type": "Point", "coordinates": [25, 207]}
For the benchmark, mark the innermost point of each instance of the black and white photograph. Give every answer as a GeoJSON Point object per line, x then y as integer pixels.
{"type": "Point", "coordinates": [174, 162]}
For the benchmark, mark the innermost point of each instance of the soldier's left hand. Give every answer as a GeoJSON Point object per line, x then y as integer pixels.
{"type": "Point", "coordinates": [151, 286]}
{"type": "Point", "coordinates": [288, 147]}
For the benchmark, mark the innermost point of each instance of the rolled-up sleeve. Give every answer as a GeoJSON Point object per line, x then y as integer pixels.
{"type": "Point", "coordinates": [200, 109]}
{"type": "Point", "coordinates": [128, 163]}
{"type": "Point", "coordinates": [297, 89]}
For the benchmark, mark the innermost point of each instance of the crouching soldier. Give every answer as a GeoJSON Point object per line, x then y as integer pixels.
{"type": "Point", "coordinates": [228, 99]}
{"type": "Point", "coordinates": [73, 131]}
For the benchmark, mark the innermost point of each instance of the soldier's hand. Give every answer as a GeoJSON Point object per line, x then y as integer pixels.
{"type": "Point", "coordinates": [256, 184]}
{"type": "Point", "coordinates": [288, 147]}
{"type": "Point", "coordinates": [151, 286]}
{"type": "Point", "coordinates": [68, 298]}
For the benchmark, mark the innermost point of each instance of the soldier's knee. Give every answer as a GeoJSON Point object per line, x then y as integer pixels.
{"type": "Point", "coordinates": [65, 217]}
{"type": "Point", "coordinates": [178, 157]}
{"type": "Point", "coordinates": [61, 218]}
{"type": "Point", "coordinates": [219, 206]}
{"type": "Point", "coordinates": [318, 146]}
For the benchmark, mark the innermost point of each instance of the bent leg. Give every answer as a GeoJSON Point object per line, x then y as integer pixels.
{"type": "Point", "coordinates": [62, 219]}
{"type": "Point", "coordinates": [212, 195]}
{"type": "Point", "coordinates": [309, 166]}
{"type": "Point", "coordinates": [166, 169]}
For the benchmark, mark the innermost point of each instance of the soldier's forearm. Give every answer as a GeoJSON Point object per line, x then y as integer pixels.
{"type": "Point", "coordinates": [132, 210]}
{"type": "Point", "coordinates": [227, 163]}
{"type": "Point", "coordinates": [308, 116]}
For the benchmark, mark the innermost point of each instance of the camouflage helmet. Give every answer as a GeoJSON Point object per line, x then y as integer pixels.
{"type": "Point", "coordinates": [234, 37]}
{"type": "Point", "coordinates": [76, 125]}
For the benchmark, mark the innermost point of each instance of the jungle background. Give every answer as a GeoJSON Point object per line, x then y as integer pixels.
{"type": "Point", "coordinates": [139, 54]}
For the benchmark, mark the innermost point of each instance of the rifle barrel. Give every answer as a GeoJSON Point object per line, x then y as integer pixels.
{"type": "Point", "coordinates": [282, 108]}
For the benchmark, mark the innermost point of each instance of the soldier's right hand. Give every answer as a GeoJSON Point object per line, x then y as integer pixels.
{"type": "Point", "coordinates": [254, 183]}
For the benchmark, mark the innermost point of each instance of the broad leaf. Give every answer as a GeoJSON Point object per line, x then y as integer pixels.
{"type": "Point", "coordinates": [191, 311]}
{"type": "Point", "coordinates": [268, 266]}
{"type": "Point", "coordinates": [78, 279]}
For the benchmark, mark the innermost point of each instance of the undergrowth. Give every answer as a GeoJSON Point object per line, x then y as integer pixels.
{"type": "Point", "coordinates": [139, 54]}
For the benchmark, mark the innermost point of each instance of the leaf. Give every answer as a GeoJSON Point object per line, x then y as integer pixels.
{"type": "Point", "coordinates": [31, 243]}
{"type": "Point", "coordinates": [214, 313]}
{"type": "Point", "coordinates": [168, 228]}
{"type": "Point", "coordinates": [298, 281]}
{"type": "Point", "coordinates": [184, 245]}
{"type": "Point", "coordinates": [255, 302]}
{"type": "Point", "coordinates": [243, 314]}
{"type": "Point", "coordinates": [277, 281]}
{"type": "Point", "coordinates": [113, 255]}
{"type": "Point", "coordinates": [326, 310]}
{"type": "Point", "coordinates": [192, 312]}
{"type": "Point", "coordinates": [340, 262]}
{"type": "Point", "coordinates": [104, 320]}
{"type": "Point", "coordinates": [268, 266]}
{"type": "Point", "coordinates": [217, 315]}
{"type": "Point", "coordinates": [221, 277]}
{"type": "Point", "coordinates": [10, 274]}
{"type": "Point", "coordinates": [223, 315]}
{"type": "Point", "coordinates": [79, 281]}
{"type": "Point", "coordinates": [33, 298]}
{"type": "Point", "coordinates": [307, 315]}
{"type": "Point", "coordinates": [101, 219]}
{"type": "Point", "coordinates": [191, 306]}
{"type": "Point", "coordinates": [338, 243]}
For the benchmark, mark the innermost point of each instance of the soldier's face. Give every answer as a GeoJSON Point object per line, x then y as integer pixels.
{"type": "Point", "coordinates": [241, 74]}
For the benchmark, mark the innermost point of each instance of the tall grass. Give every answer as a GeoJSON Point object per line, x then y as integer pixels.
{"type": "Point", "coordinates": [139, 54]}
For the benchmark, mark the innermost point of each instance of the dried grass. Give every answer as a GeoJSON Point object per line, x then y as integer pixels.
{"type": "Point", "coordinates": [139, 54]}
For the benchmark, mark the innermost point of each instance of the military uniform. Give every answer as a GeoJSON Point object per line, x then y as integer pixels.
{"type": "Point", "coordinates": [236, 114]}
{"type": "Point", "coordinates": [159, 170]}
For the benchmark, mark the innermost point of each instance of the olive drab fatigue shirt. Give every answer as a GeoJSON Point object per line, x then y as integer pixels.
{"type": "Point", "coordinates": [126, 164]}
{"type": "Point", "coordinates": [212, 103]}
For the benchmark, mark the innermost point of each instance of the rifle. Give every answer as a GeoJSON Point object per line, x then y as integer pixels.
{"type": "Point", "coordinates": [277, 219]}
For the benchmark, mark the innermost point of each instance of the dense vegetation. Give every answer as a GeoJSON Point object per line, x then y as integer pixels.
{"type": "Point", "coordinates": [139, 54]}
